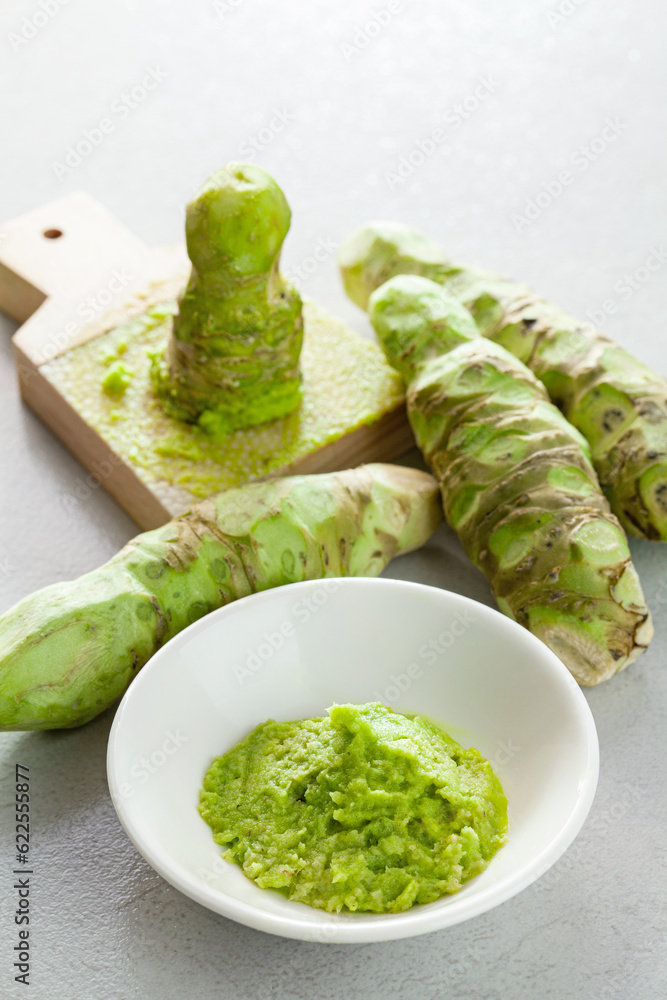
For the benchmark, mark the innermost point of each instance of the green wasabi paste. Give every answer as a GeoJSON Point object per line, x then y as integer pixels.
{"type": "Point", "coordinates": [365, 810]}
{"type": "Point", "coordinates": [116, 381]}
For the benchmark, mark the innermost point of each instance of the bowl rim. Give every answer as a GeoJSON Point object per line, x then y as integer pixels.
{"type": "Point", "coordinates": [358, 928]}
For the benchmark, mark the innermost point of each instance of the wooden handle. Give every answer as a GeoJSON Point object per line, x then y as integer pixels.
{"type": "Point", "coordinates": [66, 264]}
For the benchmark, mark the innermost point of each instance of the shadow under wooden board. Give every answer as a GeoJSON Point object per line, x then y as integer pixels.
{"type": "Point", "coordinates": [90, 296]}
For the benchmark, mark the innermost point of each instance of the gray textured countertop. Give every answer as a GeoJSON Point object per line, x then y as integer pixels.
{"type": "Point", "coordinates": [335, 98]}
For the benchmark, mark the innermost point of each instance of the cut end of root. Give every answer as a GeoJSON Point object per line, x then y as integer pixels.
{"type": "Point", "coordinates": [410, 500]}
{"type": "Point", "coordinates": [588, 662]}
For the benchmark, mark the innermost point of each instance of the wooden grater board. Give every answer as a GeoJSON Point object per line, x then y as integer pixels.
{"type": "Point", "coordinates": [70, 274]}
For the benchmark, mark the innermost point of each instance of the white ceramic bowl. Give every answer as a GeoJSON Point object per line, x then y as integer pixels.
{"type": "Point", "coordinates": [292, 652]}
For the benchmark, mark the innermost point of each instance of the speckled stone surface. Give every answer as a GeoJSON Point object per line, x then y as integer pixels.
{"type": "Point", "coordinates": [343, 113]}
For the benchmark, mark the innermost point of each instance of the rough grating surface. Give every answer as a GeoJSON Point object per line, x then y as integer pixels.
{"type": "Point", "coordinates": [346, 383]}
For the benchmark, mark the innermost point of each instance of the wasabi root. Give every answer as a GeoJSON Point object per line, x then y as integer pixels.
{"type": "Point", "coordinates": [517, 483]}
{"type": "Point", "coordinates": [618, 403]}
{"type": "Point", "coordinates": [233, 355]}
{"type": "Point", "coordinates": [70, 650]}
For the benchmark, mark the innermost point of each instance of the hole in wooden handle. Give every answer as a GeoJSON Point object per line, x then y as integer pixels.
{"type": "Point", "coordinates": [53, 234]}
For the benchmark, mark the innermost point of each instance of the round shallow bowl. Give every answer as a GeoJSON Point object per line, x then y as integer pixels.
{"type": "Point", "coordinates": [290, 653]}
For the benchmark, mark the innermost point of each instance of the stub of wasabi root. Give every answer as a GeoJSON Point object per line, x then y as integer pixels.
{"type": "Point", "coordinates": [232, 359]}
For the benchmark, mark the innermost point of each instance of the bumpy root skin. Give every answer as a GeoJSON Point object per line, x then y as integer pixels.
{"type": "Point", "coordinates": [617, 402]}
{"type": "Point", "coordinates": [70, 650]}
{"type": "Point", "coordinates": [233, 356]}
{"type": "Point", "coordinates": [517, 483]}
